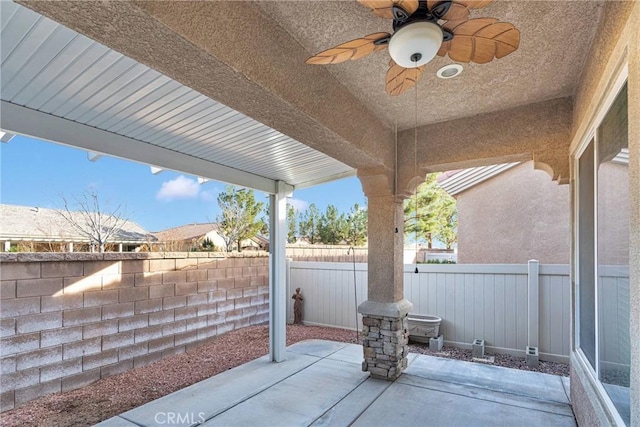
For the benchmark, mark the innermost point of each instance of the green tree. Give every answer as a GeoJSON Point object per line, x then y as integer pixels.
{"type": "Point", "coordinates": [309, 223]}
{"type": "Point", "coordinates": [333, 226]}
{"type": "Point", "coordinates": [291, 224]}
{"type": "Point", "coordinates": [356, 226]}
{"type": "Point", "coordinates": [447, 225]}
{"type": "Point", "coordinates": [266, 220]}
{"type": "Point", "coordinates": [435, 216]}
{"type": "Point", "coordinates": [239, 218]}
{"type": "Point", "coordinates": [207, 245]}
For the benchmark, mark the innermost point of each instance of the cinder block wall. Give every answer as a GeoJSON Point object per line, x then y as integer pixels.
{"type": "Point", "coordinates": [68, 320]}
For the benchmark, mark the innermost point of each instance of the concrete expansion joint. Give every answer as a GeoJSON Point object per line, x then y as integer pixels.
{"type": "Point", "coordinates": [259, 390]}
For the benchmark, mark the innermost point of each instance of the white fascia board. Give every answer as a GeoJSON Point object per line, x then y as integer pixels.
{"type": "Point", "coordinates": [25, 121]}
{"type": "Point", "coordinates": [324, 180]}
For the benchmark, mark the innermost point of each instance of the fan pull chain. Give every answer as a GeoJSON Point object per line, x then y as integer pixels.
{"type": "Point", "coordinates": [415, 166]}
{"type": "Point", "coordinates": [395, 182]}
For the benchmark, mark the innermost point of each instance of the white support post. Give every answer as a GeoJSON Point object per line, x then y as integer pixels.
{"type": "Point", "coordinates": [7, 246]}
{"type": "Point", "coordinates": [278, 272]}
{"type": "Point", "coordinates": [533, 318]}
{"type": "Point", "coordinates": [120, 247]}
{"type": "Point", "coordinates": [70, 246]}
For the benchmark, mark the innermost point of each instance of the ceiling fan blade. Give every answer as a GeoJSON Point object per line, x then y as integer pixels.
{"type": "Point", "coordinates": [474, 4]}
{"type": "Point", "coordinates": [384, 8]}
{"type": "Point", "coordinates": [480, 40]}
{"type": "Point", "coordinates": [459, 10]}
{"type": "Point", "coordinates": [456, 12]}
{"type": "Point", "coordinates": [400, 79]}
{"type": "Point", "coordinates": [354, 49]}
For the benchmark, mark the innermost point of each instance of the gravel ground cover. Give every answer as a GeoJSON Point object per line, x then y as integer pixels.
{"type": "Point", "coordinates": [114, 395]}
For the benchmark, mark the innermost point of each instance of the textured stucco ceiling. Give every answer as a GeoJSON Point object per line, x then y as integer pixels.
{"type": "Point", "coordinates": [250, 56]}
{"type": "Point", "coordinates": [555, 38]}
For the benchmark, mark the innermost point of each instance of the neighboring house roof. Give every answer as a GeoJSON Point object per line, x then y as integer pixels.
{"type": "Point", "coordinates": [455, 182]}
{"type": "Point", "coordinates": [186, 232]}
{"type": "Point", "coordinates": [195, 232]}
{"type": "Point", "coordinates": [261, 240]}
{"type": "Point", "coordinates": [42, 224]}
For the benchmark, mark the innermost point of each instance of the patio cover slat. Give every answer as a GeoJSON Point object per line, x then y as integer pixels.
{"type": "Point", "coordinates": [51, 70]}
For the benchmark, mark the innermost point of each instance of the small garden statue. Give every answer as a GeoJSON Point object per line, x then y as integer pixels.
{"type": "Point", "coordinates": [297, 307]}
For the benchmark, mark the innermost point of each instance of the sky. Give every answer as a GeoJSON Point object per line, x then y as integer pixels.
{"type": "Point", "coordinates": [38, 173]}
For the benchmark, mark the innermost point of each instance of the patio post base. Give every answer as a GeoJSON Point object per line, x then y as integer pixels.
{"type": "Point", "coordinates": [386, 335]}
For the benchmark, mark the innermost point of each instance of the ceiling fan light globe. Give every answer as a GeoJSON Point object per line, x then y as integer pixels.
{"type": "Point", "coordinates": [421, 38]}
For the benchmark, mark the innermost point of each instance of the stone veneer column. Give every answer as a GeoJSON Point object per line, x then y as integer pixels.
{"type": "Point", "coordinates": [384, 314]}
{"type": "Point", "coordinates": [385, 342]}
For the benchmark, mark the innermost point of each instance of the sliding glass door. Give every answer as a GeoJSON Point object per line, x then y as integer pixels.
{"type": "Point", "coordinates": [602, 321]}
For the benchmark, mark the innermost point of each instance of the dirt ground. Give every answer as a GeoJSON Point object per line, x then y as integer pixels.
{"type": "Point", "coordinates": [114, 395]}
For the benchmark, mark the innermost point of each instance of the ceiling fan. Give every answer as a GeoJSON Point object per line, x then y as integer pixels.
{"type": "Point", "coordinates": [422, 29]}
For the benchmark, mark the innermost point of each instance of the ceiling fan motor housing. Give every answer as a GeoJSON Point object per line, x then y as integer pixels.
{"type": "Point", "coordinates": [415, 44]}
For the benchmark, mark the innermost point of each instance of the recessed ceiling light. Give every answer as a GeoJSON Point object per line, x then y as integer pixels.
{"type": "Point", "coordinates": [449, 71]}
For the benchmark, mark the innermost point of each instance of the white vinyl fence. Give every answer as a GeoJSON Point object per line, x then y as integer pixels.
{"type": "Point", "coordinates": [509, 306]}
{"type": "Point", "coordinates": [613, 300]}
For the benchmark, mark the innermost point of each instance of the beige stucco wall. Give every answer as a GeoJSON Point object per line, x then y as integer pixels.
{"type": "Point", "coordinates": [516, 216]}
{"type": "Point", "coordinates": [617, 44]}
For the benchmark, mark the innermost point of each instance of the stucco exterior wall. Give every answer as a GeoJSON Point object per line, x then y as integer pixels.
{"type": "Point", "coordinates": [516, 216]}
{"type": "Point", "coordinates": [617, 44]}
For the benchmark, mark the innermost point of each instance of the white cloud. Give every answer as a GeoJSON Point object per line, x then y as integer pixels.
{"type": "Point", "coordinates": [298, 205]}
{"type": "Point", "coordinates": [209, 195]}
{"type": "Point", "coordinates": [179, 188]}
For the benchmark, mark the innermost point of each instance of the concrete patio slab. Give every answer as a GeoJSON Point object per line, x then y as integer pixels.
{"type": "Point", "coordinates": [298, 400]}
{"type": "Point", "coordinates": [405, 405]}
{"type": "Point", "coordinates": [117, 422]}
{"type": "Point", "coordinates": [349, 354]}
{"type": "Point", "coordinates": [216, 394]}
{"type": "Point", "coordinates": [318, 348]}
{"type": "Point", "coordinates": [488, 395]}
{"type": "Point", "coordinates": [512, 381]}
{"type": "Point", "coordinates": [321, 384]}
{"type": "Point", "coordinates": [566, 384]}
{"type": "Point", "coordinates": [354, 404]}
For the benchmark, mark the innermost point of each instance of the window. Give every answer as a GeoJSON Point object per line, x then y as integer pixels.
{"type": "Point", "coordinates": [603, 254]}
{"type": "Point", "coordinates": [586, 251]}
{"type": "Point", "coordinates": [613, 254]}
